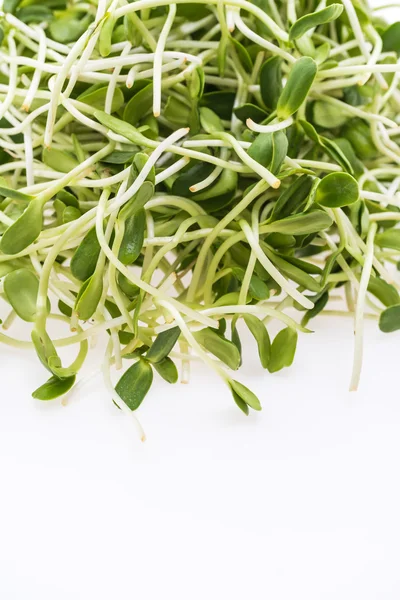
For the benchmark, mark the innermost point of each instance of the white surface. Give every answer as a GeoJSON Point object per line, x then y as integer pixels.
{"type": "Point", "coordinates": [299, 501]}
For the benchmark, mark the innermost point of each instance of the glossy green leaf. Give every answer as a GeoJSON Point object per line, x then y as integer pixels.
{"type": "Point", "coordinates": [122, 128]}
{"type": "Point", "coordinates": [21, 289]}
{"type": "Point", "coordinates": [260, 334]}
{"type": "Point", "coordinates": [242, 53]}
{"type": "Point", "coordinates": [105, 37]}
{"type": "Point", "coordinates": [358, 133]}
{"type": "Point", "coordinates": [293, 198]}
{"type": "Point", "coordinates": [220, 102]}
{"type": "Point", "coordinates": [389, 319]}
{"type": "Point", "coordinates": [95, 96]}
{"type": "Point", "coordinates": [45, 350]}
{"type": "Point", "coordinates": [318, 307]}
{"type": "Point", "coordinates": [195, 173]}
{"type": "Point", "coordinates": [89, 297]}
{"type": "Point", "coordinates": [24, 230]}
{"type": "Point", "coordinates": [301, 224]}
{"type": "Point", "coordinates": [337, 189]}
{"type": "Point", "coordinates": [385, 292]}
{"type": "Point", "coordinates": [84, 260]}
{"type": "Point", "coordinates": [222, 348]}
{"type": "Point", "coordinates": [59, 160]}
{"type": "Point", "coordinates": [167, 369]}
{"type": "Point", "coordinates": [298, 85]}
{"type": "Point", "coordinates": [210, 121]}
{"type": "Point", "coordinates": [270, 150]}
{"type": "Point", "coordinates": [244, 397]}
{"type": "Point", "coordinates": [250, 111]}
{"type": "Point", "coordinates": [139, 105]}
{"type": "Point", "coordinates": [271, 82]}
{"type": "Point", "coordinates": [225, 185]}
{"type": "Point", "coordinates": [197, 81]}
{"type": "Point", "coordinates": [292, 271]}
{"type": "Point", "coordinates": [311, 20]}
{"type": "Point", "coordinates": [348, 150]}
{"type": "Point", "coordinates": [257, 288]}
{"type": "Point", "coordinates": [132, 241]}
{"type": "Point", "coordinates": [138, 201]}
{"type": "Point", "coordinates": [135, 383]}
{"type": "Point", "coordinates": [68, 198]}
{"type": "Point", "coordinates": [389, 239]}
{"type": "Point", "coordinates": [163, 345]}
{"type": "Point", "coordinates": [283, 349]}
{"type": "Point", "coordinates": [53, 388]}
{"type": "Point", "coordinates": [68, 29]}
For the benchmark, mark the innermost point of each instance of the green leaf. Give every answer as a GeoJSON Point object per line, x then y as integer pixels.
{"type": "Point", "coordinates": [34, 14]}
{"type": "Point", "coordinates": [328, 116]}
{"type": "Point", "coordinates": [132, 241]}
{"type": "Point", "coordinates": [271, 82]}
{"type": "Point", "coordinates": [53, 388]}
{"type": "Point", "coordinates": [257, 288]}
{"type": "Point", "coordinates": [59, 160]}
{"type": "Point", "coordinates": [68, 29]}
{"type": "Point", "coordinates": [89, 297]}
{"type": "Point", "coordinates": [292, 271]}
{"type": "Point", "coordinates": [311, 20]}
{"type": "Point", "coordinates": [298, 85]}
{"type": "Point", "coordinates": [260, 334]}
{"type": "Point", "coordinates": [21, 289]}
{"type": "Point", "coordinates": [194, 174]}
{"type": "Point", "coordinates": [250, 111]}
{"type": "Point", "coordinates": [293, 198]}
{"type": "Point", "coordinates": [135, 383]}
{"type": "Point", "coordinates": [337, 189]}
{"type": "Point", "coordinates": [358, 133]}
{"type": "Point", "coordinates": [391, 38]}
{"type": "Point", "coordinates": [129, 289]}
{"type": "Point", "coordinates": [138, 200]}
{"type": "Point", "coordinates": [225, 185]}
{"type": "Point", "coordinates": [105, 37]}
{"type": "Point", "coordinates": [122, 128]}
{"type": "Point", "coordinates": [139, 105]}
{"type": "Point", "coordinates": [318, 307]}
{"type": "Point", "coordinates": [348, 150]}
{"type": "Point", "coordinates": [270, 150]}
{"type": "Point", "coordinates": [163, 344]}
{"type": "Point", "coordinates": [385, 292]}
{"type": "Point", "coordinates": [45, 350]}
{"type": "Point", "coordinates": [68, 198]}
{"type": "Point", "coordinates": [283, 349]}
{"type": "Point", "coordinates": [95, 96]}
{"type": "Point", "coordinates": [389, 239]}
{"type": "Point", "coordinates": [24, 231]}
{"type": "Point", "coordinates": [244, 397]}
{"type": "Point", "coordinates": [242, 54]}
{"type": "Point", "coordinates": [84, 260]}
{"type": "Point", "coordinates": [301, 224]}
{"type": "Point", "coordinates": [390, 319]}
{"type": "Point", "coordinates": [219, 346]}
{"type": "Point", "coordinates": [220, 102]}
{"type": "Point", "coordinates": [196, 83]}
{"type": "Point", "coordinates": [167, 369]}
{"type": "Point", "coordinates": [210, 121]}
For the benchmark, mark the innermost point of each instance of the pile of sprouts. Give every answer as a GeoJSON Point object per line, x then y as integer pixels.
{"type": "Point", "coordinates": [170, 170]}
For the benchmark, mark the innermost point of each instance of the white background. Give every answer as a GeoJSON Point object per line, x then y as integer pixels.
{"type": "Point", "coordinates": [299, 501]}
